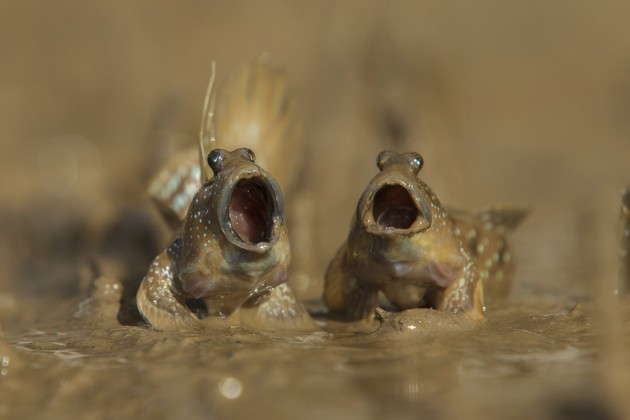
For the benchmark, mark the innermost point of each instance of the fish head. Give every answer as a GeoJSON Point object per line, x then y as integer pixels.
{"type": "Point", "coordinates": [395, 203]}
{"type": "Point", "coordinates": [234, 223]}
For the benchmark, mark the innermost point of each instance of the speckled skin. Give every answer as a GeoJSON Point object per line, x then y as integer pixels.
{"type": "Point", "coordinates": [211, 259]}
{"type": "Point", "coordinates": [484, 237]}
{"type": "Point", "coordinates": [403, 243]}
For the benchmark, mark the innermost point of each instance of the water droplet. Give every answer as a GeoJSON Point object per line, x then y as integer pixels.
{"type": "Point", "coordinates": [230, 388]}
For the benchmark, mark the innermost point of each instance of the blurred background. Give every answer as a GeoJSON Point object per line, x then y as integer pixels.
{"type": "Point", "coordinates": [521, 103]}
{"type": "Point", "coordinates": [511, 103]}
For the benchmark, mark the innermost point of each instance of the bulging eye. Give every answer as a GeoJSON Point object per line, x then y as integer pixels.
{"type": "Point", "coordinates": [416, 161]}
{"type": "Point", "coordinates": [216, 160]}
{"type": "Point", "coordinates": [248, 154]}
{"type": "Point", "coordinates": [383, 158]}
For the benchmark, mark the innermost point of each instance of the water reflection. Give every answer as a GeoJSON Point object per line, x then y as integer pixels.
{"type": "Point", "coordinates": [412, 388]}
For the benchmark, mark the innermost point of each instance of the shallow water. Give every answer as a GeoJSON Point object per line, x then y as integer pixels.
{"type": "Point", "coordinates": [527, 360]}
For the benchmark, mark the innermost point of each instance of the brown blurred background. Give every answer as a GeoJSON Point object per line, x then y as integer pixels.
{"type": "Point", "coordinates": [523, 103]}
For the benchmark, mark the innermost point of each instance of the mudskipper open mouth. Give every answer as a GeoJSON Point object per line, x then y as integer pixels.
{"type": "Point", "coordinates": [393, 207]}
{"type": "Point", "coordinates": [251, 210]}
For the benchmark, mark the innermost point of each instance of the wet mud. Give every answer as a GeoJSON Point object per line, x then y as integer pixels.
{"type": "Point", "coordinates": [528, 360]}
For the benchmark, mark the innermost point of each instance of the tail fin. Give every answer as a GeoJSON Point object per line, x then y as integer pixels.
{"type": "Point", "coordinates": [256, 110]}
{"type": "Point", "coordinates": [502, 219]}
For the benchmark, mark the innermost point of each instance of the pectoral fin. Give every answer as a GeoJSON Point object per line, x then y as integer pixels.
{"type": "Point", "coordinates": [345, 294]}
{"type": "Point", "coordinates": [465, 294]}
{"type": "Point", "coordinates": [158, 300]}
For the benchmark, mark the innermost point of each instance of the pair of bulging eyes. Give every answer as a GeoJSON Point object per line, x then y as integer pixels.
{"type": "Point", "coordinates": [411, 159]}
{"type": "Point", "coordinates": [217, 157]}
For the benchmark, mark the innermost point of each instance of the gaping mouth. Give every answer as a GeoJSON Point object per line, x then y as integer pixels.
{"type": "Point", "coordinates": [251, 210]}
{"type": "Point", "coordinates": [393, 207]}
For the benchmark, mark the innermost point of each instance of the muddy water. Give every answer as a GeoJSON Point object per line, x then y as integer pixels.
{"type": "Point", "coordinates": [528, 360]}
{"type": "Point", "coordinates": [523, 104]}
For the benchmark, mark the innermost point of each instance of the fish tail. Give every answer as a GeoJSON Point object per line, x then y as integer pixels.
{"type": "Point", "coordinates": [502, 219]}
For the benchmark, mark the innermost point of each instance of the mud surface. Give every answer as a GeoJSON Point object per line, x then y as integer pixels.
{"type": "Point", "coordinates": [523, 104]}
{"type": "Point", "coordinates": [527, 361]}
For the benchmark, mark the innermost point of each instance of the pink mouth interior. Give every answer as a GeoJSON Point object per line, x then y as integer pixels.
{"type": "Point", "coordinates": [393, 207]}
{"type": "Point", "coordinates": [251, 211]}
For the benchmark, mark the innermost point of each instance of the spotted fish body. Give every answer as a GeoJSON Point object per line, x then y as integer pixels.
{"type": "Point", "coordinates": [404, 244]}
{"type": "Point", "coordinates": [232, 250]}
